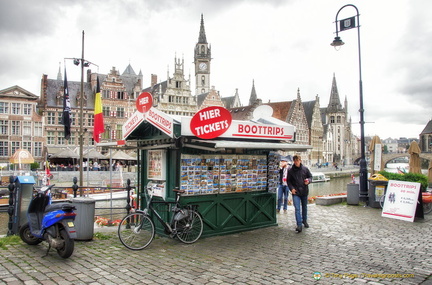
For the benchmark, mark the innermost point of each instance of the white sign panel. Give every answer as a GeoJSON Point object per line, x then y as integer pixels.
{"type": "Point", "coordinates": [248, 130]}
{"type": "Point", "coordinates": [377, 157]}
{"type": "Point", "coordinates": [132, 123]}
{"type": "Point", "coordinates": [161, 121]}
{"type": "Point", "coordinates": [401, 200]}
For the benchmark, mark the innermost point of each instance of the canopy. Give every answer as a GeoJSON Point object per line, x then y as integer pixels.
{"type": "Point", "coordinates": [21, 156]}
{"type": "Point", "coordinates": [121, 155]}
{"type": "Point", "coordinates": [66, 153]}
{"type": "Point", "coordinates": [414, 162]}
{"type": "Point", "coordinates": [94, 154]}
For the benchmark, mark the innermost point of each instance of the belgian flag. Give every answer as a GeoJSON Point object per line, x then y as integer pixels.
{"type": "Point", "coordinates": [98, 128]}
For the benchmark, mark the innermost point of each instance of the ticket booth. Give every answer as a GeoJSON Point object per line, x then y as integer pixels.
{"type": "Point", "coordinates": [228, 168]}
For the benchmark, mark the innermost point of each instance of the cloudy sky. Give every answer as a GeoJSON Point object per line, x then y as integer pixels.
{"type": "Point", "coordinates": [283, 45]}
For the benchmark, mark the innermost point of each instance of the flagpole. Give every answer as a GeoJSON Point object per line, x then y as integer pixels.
{"type": "Point", "coordinates": [81, 132]}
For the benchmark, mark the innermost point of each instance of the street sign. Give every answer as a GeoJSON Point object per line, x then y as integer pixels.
{"type": "Point", "coordinates": [144, 102]}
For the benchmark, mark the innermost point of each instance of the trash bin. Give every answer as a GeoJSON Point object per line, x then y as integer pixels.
{"type": "Point", "coordinates": [353, 194]}
{"type": "Point", "coordinates": [377, 189]}
{"type": "Point", "coordinates": [84, 220]}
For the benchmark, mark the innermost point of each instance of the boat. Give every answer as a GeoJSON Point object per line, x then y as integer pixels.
{"type": "Point", "coordinates": [319, 177]}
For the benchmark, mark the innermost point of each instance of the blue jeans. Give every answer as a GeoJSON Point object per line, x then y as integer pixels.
{"type": "Point", "coordinates": [300, 217]}
{"type": "Point", "coordinates": [282, 195]}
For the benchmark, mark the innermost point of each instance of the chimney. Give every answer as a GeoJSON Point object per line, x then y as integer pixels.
{"type": "Point", "coordinates": [153, 80]}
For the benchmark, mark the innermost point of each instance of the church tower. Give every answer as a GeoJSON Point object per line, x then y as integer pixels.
{"type": "Point", "coordinates": [202, 60]}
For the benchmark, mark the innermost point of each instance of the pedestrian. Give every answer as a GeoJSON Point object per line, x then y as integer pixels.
{"type": "Point", "coordinates": [283, 185]}
{"type": "Point", "coordinates": [299, 178]}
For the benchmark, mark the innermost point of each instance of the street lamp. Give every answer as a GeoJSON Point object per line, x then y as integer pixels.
{"type": "Point", "coordinates": [84, 63]}
{"type": "Point", "coordinates": [347, 24]}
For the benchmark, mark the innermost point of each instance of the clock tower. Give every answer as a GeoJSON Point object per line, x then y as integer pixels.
{"type": "Point", "coordinates": [202, 60]}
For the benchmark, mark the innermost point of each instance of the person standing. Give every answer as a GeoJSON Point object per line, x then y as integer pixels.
{"type": "Point", "coordinates": [283, 185]}
{"type": "Point", "coordinates": [299, 178]}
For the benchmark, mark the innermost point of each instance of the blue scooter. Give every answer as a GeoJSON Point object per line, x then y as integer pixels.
{"type": "Point", "coordinates": [51, 222]}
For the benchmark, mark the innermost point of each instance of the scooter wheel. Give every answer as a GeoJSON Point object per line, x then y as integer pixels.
{"type": "Point", "coordinates": [68, 246]}
{"type": "Point", "coordinates": [26, 235]}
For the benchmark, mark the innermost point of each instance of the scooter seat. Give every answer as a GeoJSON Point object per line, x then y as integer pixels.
{"type": "Point", "coordinates": [60, 206]}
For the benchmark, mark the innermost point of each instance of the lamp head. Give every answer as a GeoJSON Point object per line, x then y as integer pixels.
{"type": "Point", "coordinates": [86, 64]}
{"type": "Point", "coordinates": [76, 61]}
{"type": "Point", "coordinates": [337, 43]}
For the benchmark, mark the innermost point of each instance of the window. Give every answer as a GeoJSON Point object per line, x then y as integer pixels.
{"type": "Point", "coordinates": [178, 84]}
{"type": "Point", "coordinates": [4, 148]}
{"type": "Point", "coordinates": [16, 108]}
{"type": "Point", "coordinates": [106, 111]}
{"type": "Point", "coordinates": [16, 128]}
{"type": "Point", "coordinates": [4, 108]}
{"type": "Point", "coordinates": [105, 94]}
{"type": "Point", "coordinates": [60, 138]}
{"type": "Point", "coordinates": [51, 118]}
{"type": "Point", "coordinates": [203, 80]}
{"type": "Point", "coordinates": [15, 146]}
{"type": "Point", "coordinates": [120, 112]}
{"type": "Point", "coordinates": [4, 127]}
{"type": "Point", "coordinates": [338, 120]}
{"type": "Point", "coordinates": [38, 131]}
{"type": "Point", "coordinates": [332, 119]}
{"type": "Point", "coordinates": [27, 146]}
{"type": "Point", "coordinates": [37, 150]}
{"type": "Point", "coordinates": [60, 118]}
{"type": "Point", "coordinates": [27, 109]}
{"type": "Point", "coordinates": [50, 138]}
{"type": "Point", "coordinates": [26, 128]}
{"type": "Point", "coordinates": [120, 95]}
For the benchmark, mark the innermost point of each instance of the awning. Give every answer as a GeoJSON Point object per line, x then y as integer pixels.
{"type": "Point", "coordinates": [222, 144]}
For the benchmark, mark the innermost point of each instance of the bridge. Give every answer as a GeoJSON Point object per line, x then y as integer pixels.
{"type": "Point", "coordinates": [390, 156]}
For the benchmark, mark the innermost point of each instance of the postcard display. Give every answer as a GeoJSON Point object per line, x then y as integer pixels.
{"type": "Point", "coordinates": [210, 174]}
{"type": "Point", "coordinates": [156, 172]}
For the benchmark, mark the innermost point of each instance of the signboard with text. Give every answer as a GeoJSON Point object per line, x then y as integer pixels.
{"type": "Point", "coordinates": [401, 200]}
{"type": "Point", "coordinates": [161, 121]}
{"type": "Point", "coordinates": [210, 122]}
{"type": "Point", "coordinates": [132, 123]}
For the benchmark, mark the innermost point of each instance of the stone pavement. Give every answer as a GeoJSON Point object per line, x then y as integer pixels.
{"type": "Point", "coordinates": [345, 244]}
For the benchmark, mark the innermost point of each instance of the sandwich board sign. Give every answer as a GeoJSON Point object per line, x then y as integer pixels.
{"type": "Point", "coordinates": [401, 200]}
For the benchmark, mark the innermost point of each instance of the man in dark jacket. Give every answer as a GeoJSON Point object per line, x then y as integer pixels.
{"type": "Point", "coordinates": [299, 178]}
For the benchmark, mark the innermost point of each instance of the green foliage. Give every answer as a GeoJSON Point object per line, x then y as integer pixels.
{"type": "Point", "coordinates": [34, 165]}
{"type": "Point", "coordinates": [9, 240]}
{"type": "Point", "coordinates": [410, 177]}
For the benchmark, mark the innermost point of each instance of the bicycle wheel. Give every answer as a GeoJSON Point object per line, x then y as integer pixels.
{"type": "Point", "coordinates": [189, 229]}
{"type": "Point", "coordinates": [136, 231]}
{"type": "Point", "coordinates": [427, 208]}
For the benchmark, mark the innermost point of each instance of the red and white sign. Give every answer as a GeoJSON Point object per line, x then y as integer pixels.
{"type": "Point", "coordinates": [210, 122]}
{"type": "Point", "coordinates": [144, 102]}
{"type": "Point", "coordinates": [132, 123]}
{"type": "Point", "coordinates": [161, 121]}
{"type": "Point", "coordinates": [249, 130]}
{"type": "Point", "coordinates": [401, 200]}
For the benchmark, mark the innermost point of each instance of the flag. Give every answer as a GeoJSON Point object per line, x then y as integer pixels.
{"type": "Point", "coordinates": [47, 172]}
{"type": "Point", "coordinates": [347, 24]}
{"type": "Point", "coordinates": [66, 118]}
{"type": "Point", "coordinates": [98, 128]}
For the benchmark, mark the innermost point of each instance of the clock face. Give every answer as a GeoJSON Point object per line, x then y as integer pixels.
{"type": "Point", "coordinates": [202, 66]}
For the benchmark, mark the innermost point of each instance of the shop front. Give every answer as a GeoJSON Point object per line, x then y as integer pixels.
{"type": "Point", "coordinates": [228, 168]}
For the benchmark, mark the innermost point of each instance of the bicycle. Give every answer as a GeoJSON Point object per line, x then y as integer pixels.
{"type": "Point", "coordinates": [137, 230]}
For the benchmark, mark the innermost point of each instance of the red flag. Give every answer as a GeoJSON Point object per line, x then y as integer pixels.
{"type": "Point", "coordinates": [98, 127]}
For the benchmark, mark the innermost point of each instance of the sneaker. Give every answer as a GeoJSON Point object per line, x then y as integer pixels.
{"type": "Point", "coordinates": [305, 224]}
{"type": "Point", "coordinates": [277, 211]}
{"type": "Point", "coordinates": [298, 229]}
{"type": "Point", "coordinates": [285, 211]}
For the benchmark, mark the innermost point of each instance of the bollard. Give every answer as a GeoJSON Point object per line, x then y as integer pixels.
{"type": "Point", "coordinates": [11, 188]}
{"type": "Point", "coordinates": [128, 200]}
{"type": "Point", "coordinates": [75, 186]}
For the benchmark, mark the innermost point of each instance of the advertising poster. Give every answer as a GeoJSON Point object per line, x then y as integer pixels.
{"type": "Point", "coordinates": [401, 200]}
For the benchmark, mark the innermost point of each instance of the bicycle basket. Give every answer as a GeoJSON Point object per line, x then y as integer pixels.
{"type": "Point", "coordinates": [180, 215]}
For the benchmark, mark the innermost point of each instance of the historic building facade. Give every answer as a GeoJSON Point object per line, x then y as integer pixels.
{"type": "Point", "coordinates": [21, 125]}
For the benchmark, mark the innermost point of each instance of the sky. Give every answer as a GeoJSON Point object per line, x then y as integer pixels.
{"type": "Point", "coordinates": [281, 45]}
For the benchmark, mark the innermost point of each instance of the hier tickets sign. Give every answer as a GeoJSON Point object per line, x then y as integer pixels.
{"type": "Point", "coordinates": [246, 129]}
{"type": "Point", "coordinates": [401, 200]}
{"type": "Point", "coordinates": [144, 102]}
{"type": "Point", "coordinates": [210, 122]}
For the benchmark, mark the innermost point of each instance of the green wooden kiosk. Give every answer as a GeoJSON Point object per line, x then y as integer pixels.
{"type": "Point", "coordinates": [228, 168]}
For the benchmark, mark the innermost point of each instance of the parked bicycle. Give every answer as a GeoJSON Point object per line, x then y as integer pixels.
{"type": "Point", "coordinates": [137, 230]}
{"type": "Point", "coordinates": [426, 199]}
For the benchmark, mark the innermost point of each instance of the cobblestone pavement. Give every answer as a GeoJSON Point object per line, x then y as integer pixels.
{"type": "Point", "coordinates": [345, 244]}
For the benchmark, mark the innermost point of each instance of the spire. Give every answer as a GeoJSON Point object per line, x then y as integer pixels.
{"type": "Point", "coordinates": [202, 36]}
{"type": "Point", "coordinates": [59, 75]}
{"type": "Point", "coordinates": [334, 103]}
{"type": "Point", "coordinates": [253, 96]}
{"type": "Point", "coordinates": [129, 70]}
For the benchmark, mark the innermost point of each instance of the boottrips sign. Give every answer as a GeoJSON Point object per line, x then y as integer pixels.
{"type": "Point", "coordinates": [210, 122]}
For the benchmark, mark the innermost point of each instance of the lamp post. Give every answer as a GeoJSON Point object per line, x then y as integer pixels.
{"type": "Point", "coordinates": [347, 24]}
{"type": "Point", "coordinates": [84, 63]}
